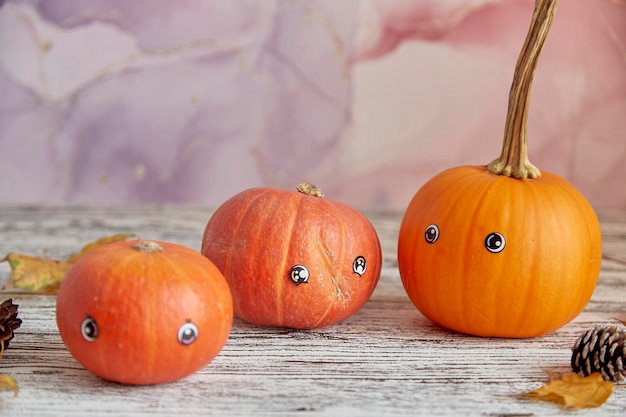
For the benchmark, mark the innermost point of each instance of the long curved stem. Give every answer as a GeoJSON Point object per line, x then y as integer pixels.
{"type": "Point", "coordinates": [514, 162]}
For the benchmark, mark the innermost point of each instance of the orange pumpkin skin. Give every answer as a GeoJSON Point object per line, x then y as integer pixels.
{"type": "Point", "coordinates": [538, 279]}
{"type": "Point", "coordinates": [158, 316]}
{"type": "Point", "coordinates": [260, 235]}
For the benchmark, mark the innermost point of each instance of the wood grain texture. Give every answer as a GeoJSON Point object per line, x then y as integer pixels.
{"type": "Point", "coordinates": [385, 360]}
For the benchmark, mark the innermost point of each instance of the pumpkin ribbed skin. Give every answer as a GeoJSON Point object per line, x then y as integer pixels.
{"type": "Point", "coordinates": [256, 238]}
{"type": "Point", "coordinates": [542, 278]}
{"type": "Point", "coordinates": [140, 301]}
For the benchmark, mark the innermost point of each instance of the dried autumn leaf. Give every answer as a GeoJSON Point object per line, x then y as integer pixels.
{"type": "Point", "coordinates": [32, 273]}
{"type": "Point", "coordinates": [8, 383]}
{"type": "Point", "coordinates": [44, 275]}
{"type": "Point", "coordinates": [575, 391]}
{"type": "Point", "coordinates": [100, 242]}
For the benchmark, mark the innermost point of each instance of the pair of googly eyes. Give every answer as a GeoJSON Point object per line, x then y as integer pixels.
{"type": "Point", "coordinates": [187, 333]}
{"type": "Point", "coordinates": [494, 242]}
{"type": "Point", "coordinates": [300, 274]}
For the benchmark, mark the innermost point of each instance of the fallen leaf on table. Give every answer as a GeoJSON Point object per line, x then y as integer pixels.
{"type": "Point", "coordinates": [575, 391]}
{"type": "Point", "coordinates": [43, 274]}
{"type": "Point", "coordinates": [97, 243]}
{"type": "Point", "coordinates": [35, 274]}
{"type": "Point", "coordinates": [8, 383]}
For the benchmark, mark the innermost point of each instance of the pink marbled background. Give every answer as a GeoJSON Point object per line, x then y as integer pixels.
{"type": "Point", "coordinates": [193, 101]}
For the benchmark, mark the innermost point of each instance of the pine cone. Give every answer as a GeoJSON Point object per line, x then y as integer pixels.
{"type": "Point", "coordinates": [601, 349]}
{"type": "Point", "coordinates": [8, 323]}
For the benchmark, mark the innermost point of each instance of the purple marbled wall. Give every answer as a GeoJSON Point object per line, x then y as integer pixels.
{"type": "Point", "coordinates": [193, 101]}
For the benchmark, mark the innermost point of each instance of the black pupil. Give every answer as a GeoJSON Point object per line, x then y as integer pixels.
{"type": "Point", "coordinates": [494, 242]}
{"type": "Point", "coordinates": [90, 329]}
{"type": "Point", "coordinates": [299, 274]}
{"type": "Point", "coordinates": [188, 334]}
{"type": "Point", "coordinates": [431, 234]}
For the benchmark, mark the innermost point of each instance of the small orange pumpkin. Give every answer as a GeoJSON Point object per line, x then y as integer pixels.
{"type": "Point", "coordinates": [502, 250]}
{"type": "Point", "coordinates": [144, 312]}
{"type": "Point", "coordinates": [293, 259]}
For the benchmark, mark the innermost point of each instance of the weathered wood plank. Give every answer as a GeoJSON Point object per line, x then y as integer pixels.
{"type": "Point", "coordinates": [385, 360]}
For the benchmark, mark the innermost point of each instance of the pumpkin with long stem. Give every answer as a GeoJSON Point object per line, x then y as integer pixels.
{"type": "Point", "coordinates": [502, 250]}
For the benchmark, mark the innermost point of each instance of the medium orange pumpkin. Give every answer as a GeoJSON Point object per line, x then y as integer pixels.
{"type": "Point", "coordinates": [144, 312]}
{"type": "Point", "coordinates": [293, 259]}
{"type": "Point", "coordinates": [502, 250]}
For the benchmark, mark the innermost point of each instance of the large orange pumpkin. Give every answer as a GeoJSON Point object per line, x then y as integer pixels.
{"type": "Point", "coordinates": [144, 312]}
{"type": "Point", "coordinates": [491, 255]}
{"type": "Point", "coordinates": [502, 250]}
{"type": "Point", "coordinates": [293, 259]}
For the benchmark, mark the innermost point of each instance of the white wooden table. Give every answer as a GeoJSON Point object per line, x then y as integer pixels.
{"type": "Point", "coordinates": [387, 360]}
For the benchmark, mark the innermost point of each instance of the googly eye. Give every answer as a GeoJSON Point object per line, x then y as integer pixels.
{"type": "Point", "coordinates": [299, 274]}
{"type": "Point", "coordinates": [432, 233]}
{"type": "Point", "coordinates": [187, 333]}
{"type": "Point", "coordinates": [495, 242]}
{"type": "Point", "coordinates": [359, 265]}
{"type": "Point", "coordinates": [89, 329]}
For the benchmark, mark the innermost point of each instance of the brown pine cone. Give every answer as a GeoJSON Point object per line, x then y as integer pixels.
{"type": "Point", "coordinates": [601, 349]}
{"type": "Point", "coordinates": [8, 322]}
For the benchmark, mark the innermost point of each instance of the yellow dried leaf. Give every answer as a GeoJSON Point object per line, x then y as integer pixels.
{"type": "Point", "coordinates": [35, 274]}
{"type": "Point", "coordinates": [8, 383]}
{"type": "Point", "coordinates": [44, 275]}
{"type": "Point", "coordinates": [575, 391]}
{"type": "Point", "coordinates": [100, 242]}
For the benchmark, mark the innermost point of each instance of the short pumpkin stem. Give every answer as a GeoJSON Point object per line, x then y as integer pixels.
{"type": "Point", "coordinates": [310, 189]}
{"type": "Point", "coordinates": [513, 161]}
{"type": "Point", "coordinates": [147, 246]}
